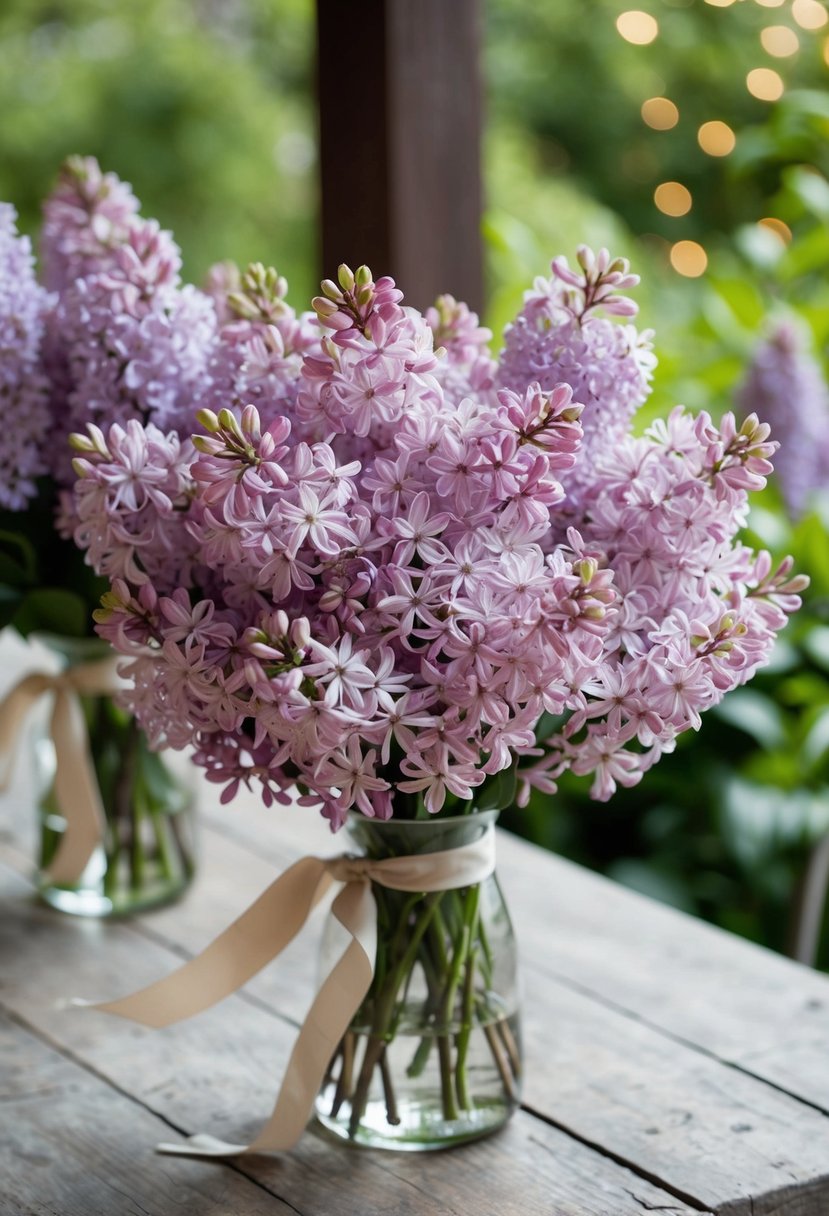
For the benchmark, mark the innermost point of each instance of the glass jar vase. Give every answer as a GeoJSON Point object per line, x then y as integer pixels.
{"type": "Point", "coordinates": [433, 1056]}
{"type": "Point", "coordinates": [146, 854]}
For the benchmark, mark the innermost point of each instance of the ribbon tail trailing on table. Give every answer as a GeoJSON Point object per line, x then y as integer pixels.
{"type": "Point", "coordinates": [263, 931]}
{"type": "Point", "coordinates": [77, 793]}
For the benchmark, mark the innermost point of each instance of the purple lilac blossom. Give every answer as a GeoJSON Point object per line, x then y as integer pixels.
{"type": "Point", "coordinates": [87, 217]}
{"type": "Point", "coordinates": [24, 389]}
{"type": "Point", "coordinates": [383, 590]}
{"type": "Point", "coordinates": [786, 386]}
{"type": "Point", "coordinates": [559, 338]}
{"type": "Point", "coordinates": [260, 348]}
{"type": "Point", "coordinates": [123, 337]}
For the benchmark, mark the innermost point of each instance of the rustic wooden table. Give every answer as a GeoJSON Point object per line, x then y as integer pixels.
{"type": "Point", "coordinates": [670, 1067]}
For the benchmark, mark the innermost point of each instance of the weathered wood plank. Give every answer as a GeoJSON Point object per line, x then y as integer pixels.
{"type": "Point", "coordinates": [665, 1109]}
{"type": "Point", "coordinates": [211, 1073]}
{"type": "Point", "coordinates": [73, 1145]}
{"type": "Point", "coordinates": [743, 1003]}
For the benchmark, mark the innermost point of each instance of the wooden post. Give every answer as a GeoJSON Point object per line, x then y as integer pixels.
{"type": "Point", "coordinates": [399, 88]}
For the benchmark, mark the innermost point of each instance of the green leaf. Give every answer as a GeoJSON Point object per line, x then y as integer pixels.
{"type": "Point", "coordinates": [53, 610]}
{"type": "Point", "coordinates": [498, 791]}
{"type": "Point", "coordinates": [810, 187]}
{"type": "Point", "coordinates": [756, 714]}
{"type": "Point", "coordinates": [549, 725]}
{"type": "Point", "coordinates": [18, 560]}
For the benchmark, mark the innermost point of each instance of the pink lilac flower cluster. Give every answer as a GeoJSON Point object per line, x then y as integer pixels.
{"type": "Point", "coordinates": [394, 589]}
{"type": "Point", "coordinates": [134, 342]}
{"type": "Point", "coordinates": [24, 400]}
{"type": "Point", "coordinates": [785, 383]}
{"type": "Point", "coordinates": [560, 337]}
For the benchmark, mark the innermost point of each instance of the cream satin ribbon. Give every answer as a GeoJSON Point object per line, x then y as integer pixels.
{"type": "Point", "coordinates": [77, 792]}
{"type": "Point", "coordinates": [263, 932]}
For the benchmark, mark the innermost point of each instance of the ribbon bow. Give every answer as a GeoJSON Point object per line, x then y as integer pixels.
{"type": "Point", "coordinates": [77, 792]}
{"type": "Point", "coordinates": [263, 932]}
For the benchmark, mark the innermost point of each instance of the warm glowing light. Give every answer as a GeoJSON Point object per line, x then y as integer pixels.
{"type": "Point", "coordinates": [779, 41]}
{"type": "Point", "coordinates": [660, 113]}
{"type": "Point", "coordinates": [719, 3]}
{"type": "Point", "coordinates": [764, 84]}
{"type": "Point", "coordinates": [781, 230]}
{"type": "Point", "coordinates": [716, 138]}
{"type": "Point", "coordinates": [637, 27]}
{"type": "Point", "coordinates": [771, 3]}
{"type": "Point", "coordinates": [672, 198]}
{"type": "Point", "coordinates": [809, 14]}
{"type": "Point", "coordinates": [689, 258]}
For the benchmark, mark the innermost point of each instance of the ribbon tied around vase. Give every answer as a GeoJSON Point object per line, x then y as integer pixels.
{"type": "Point", "coordinates": [263, 931]}
{"type": "Point", "coordinates": [77, 793]}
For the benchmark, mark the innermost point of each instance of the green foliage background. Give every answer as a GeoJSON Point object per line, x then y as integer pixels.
{"type": "Point", "coordinates": [206, 106]}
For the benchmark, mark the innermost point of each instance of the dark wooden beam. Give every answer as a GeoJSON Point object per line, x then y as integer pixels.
{"type": "Point", "coordinates": [399, 85]}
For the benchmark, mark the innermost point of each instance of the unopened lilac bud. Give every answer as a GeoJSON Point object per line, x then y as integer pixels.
{"type": "Point", "coordinates": [363, 276]}
{"type": "Point", "coordinates": [345, 275]}
{"type": "Point", "coordinates": [250, 421]}
{"type": "Point", "coordinates": [330, 289]}
{"type": "Point", "coordinates": [300, 632]}
{"type": "Point", "coordinates": [323, 307]}
{"type": "Point", "coordinates": [208, 420]}
{"type": "Point", "coordinates": [228, 422]}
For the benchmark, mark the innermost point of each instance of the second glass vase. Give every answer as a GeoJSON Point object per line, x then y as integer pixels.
{"type": "Point", "coordinates": [146, 854]}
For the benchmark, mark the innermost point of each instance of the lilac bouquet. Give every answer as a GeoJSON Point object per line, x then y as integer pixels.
{"type": "Point", "coordinates": [403, 578]}
{"type": "Point", "coordinates": [392, 576]}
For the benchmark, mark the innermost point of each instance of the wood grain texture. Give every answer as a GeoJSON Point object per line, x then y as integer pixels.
{"type": "Point", "coordinates": [660, 1107]}
{"type": "Point", "coordinates": [74, 1146]}
{"type": "Point", "coordinates": [220, 1072]}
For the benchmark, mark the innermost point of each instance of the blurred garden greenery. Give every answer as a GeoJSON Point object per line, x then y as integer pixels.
{"type": "Point", "coordinates": [206, 106]}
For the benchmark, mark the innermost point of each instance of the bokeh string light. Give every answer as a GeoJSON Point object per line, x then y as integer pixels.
{"type": "Point", "coordinates": [809, 14]}
{"type": "Point", "coordinates": [765, 84]}
{"type": "Point", "coordinates": [779, 41]}
{"type": "Point", "coordinates": [660, 113]}
{"type": "Point", "coordinates": [688, 258]}
{"type": "Point", "coordinates": [672, 198]}
{"type": "Point", "coordinates": [637, 27]}
{"type": "Point", "coordinates": [715, 137]}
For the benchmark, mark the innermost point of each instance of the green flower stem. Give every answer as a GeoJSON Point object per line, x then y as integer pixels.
{"type": "Point", "coordinates": [384, 1009]}
{"type": "Point", "coordinates": [499, 1056]}
{"type": "Point", "coordinates": [344, 1081]}
{"type": "Point", "coordinates": [392, 1117]}
{"type": "Point", "coordinates": [514, 1055]}
{"type": "Point", "coordinates": [471, 906]}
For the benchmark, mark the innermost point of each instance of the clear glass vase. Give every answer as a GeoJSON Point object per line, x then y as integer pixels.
{"type": "Point", "coordinates": [433, 1056]}
{"type": "Point", "coordinates": [146, 857]}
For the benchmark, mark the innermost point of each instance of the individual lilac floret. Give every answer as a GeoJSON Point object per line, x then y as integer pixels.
{"type": "Point", "coordinates": [86, 218]}
{"type": "Point", "coordinates": [559, 338]}
{"type": "Point", "coordinates": [24, 401]}
{"type": "Point", "coordinates": [785, 386]}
